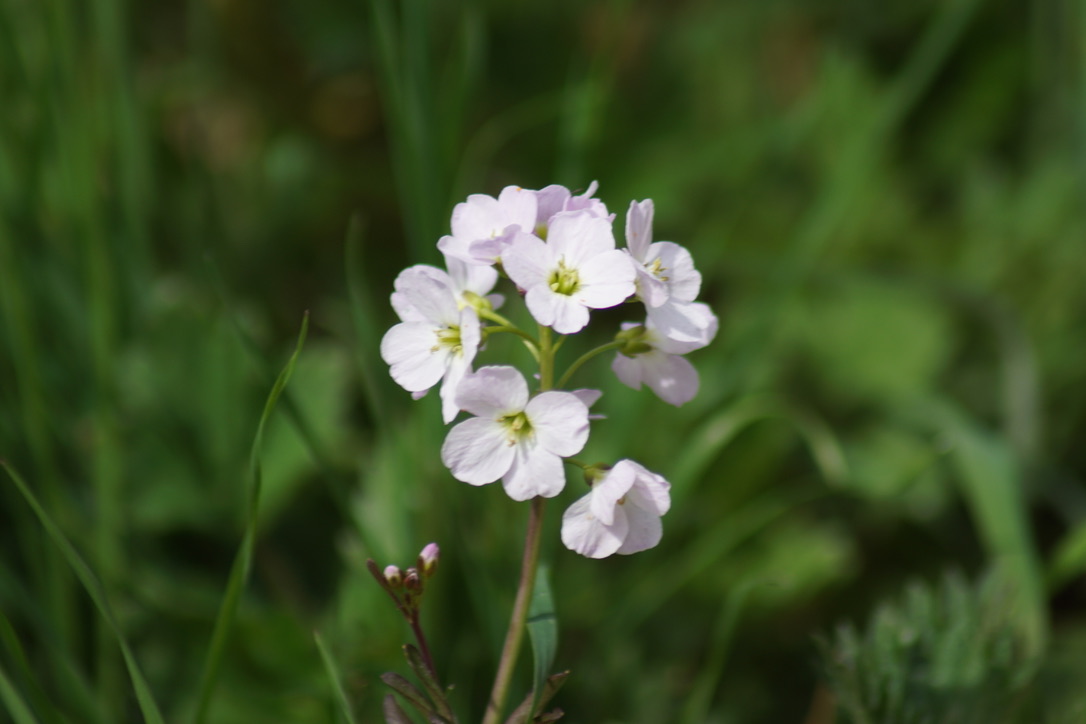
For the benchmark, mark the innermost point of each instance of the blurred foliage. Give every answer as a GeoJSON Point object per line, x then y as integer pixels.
{"type": "Point", "coordinates": [886, 202]}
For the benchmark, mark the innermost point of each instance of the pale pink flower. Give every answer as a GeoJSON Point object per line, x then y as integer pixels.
{"type": "Point", "coordinates": [665, 270]}
{"type": "Point", "coordinates": [514, 437]}
{"type": "Point", "coordinates": [654, 360]}
{"type": "Point", "coordinates": [461, 278]}
{"type": "Point", "coordinates": [621, 514]}
{"type": "Point", "coordinates": [554, 199]}
{"type": "Point", "coordinates": [436, 342]}
{"type": "Point", "coordinates": [483, 226]}
{"type": "Point", "coordinates": [576, 269]}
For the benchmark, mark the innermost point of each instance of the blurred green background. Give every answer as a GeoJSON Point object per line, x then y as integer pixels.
{"type": "Point", "coordinates": [887, 202]}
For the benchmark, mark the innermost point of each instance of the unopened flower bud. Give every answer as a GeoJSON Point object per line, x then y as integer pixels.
{"type": "Point", "coordinates": [428, 559]}
{"type": "Point", "coordinates": [411, 580]}
{"type": "Point", "coordinates": [394, 576]}
{"type": "Point", "coordinates": [595, 472]}
{"type": "Point", "coordinates": [634, 341]}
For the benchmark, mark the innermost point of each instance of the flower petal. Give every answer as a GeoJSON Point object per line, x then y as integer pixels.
{"type": "Point", "coordinates": [644, 530]}
{"type": "Point", "coordinates": [639, 228]}
{"type": "Point", "coordinates": [477, 451]}
{"type": "Point", "coordinates": [684, 321]}
{"type": "Point", "coordinates": [607, 279]}
{"type": "Point", "coordinates": [585, 534]}
{"type": "Point", "coordinates": [562, 313]}
{"type": "Point", "coordinates": [559, 422]}
{"type": "Point", "coordinates": [609, 489]}
{"type": "Point", "coordinates": [493, 391]}
{"type": "Point", "coordinates": [534, 471]}
{"type": "Point", "coordinates": [683, 280]}
{"type": "Point", "coordinates": [528, 261]}
{"type": "Point", "coordinates": [578, 236]}
{"type": "Point", "coordinates": [415, 359]}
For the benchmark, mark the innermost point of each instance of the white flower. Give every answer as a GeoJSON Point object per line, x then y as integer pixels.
{"type": "Point", "coordinates": [520, 440]}
{"type": "Point", "coordinates": [460, 278]}
{"type": "Point", "coordinates": [577, 268]}
{"type": "Point", "coordinates": [437, 340]}
{"type": "Point", "coordinates": [621, 514]}
{"type": "Point", "coordinates": [665, 270]}
{"type": "Point", "coordinates": [652, 359]}
{"type": "Point", "coordinates": [482, 226]}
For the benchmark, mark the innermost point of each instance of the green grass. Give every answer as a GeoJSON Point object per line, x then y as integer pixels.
{"type": "Point", "coordinates": [886, 205]}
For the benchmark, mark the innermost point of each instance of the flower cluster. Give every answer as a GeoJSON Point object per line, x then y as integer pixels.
{"type": "Point", "coordinates": [559, 250]}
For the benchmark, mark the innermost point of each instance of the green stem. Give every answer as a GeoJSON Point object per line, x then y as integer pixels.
{"type": "Point", "coordinates": [512, 330]}
{"type": "Point", "coordinates": [546, 359]}
{"type": "Point", "coordinates": [587, 356]}
{"type": "Point", "coordinates": [515, 635]}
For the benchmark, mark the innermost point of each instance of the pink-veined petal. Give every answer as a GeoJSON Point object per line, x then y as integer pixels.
{"type": "Point", "coordinates": [684, 321]}
{"type": "Point", "coordinates": [428, 291]}
{"type": "Point", "coordinates": [606, 280]}
{"type": "Point", "coordinates": [493, 391]}
{"type": "Point", "coordinates": [683, 280]}
{"type": "Point", "coordinates": [415, 360]}
{"type": "Point", "coordinates": [672, 378]}
{"type": "Point", "coordinates": [563, 313]}
{"type": "Point", "coordinates": [559, 422]}
{"type": "Point", "coordinates": [650, 290]}
{"type": "Point", "coordinates": [534, 471]}
{"type": "Point", "coordinates": [477, 451]}
{"type": "Point", "coordinates": [644, 530]}
{"type": "Point", "coordinates": [583, 533]}
{"type": "Point", "coordinates": [608, 490]}
{"type": "Point", "coordinates": [529, 261]}
{"type": "Point", "coordinates": [628, 370]}
{"type": "Point", "coordinates": [639, 228]}
{"type": "Point", "coordinates": [650, 491]}
{"type": "Point", "coordinates": [578, 236]}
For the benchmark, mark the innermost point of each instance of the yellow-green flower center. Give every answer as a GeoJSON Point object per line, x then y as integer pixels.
{"type": "Point", "coordinates": [564, 280]}
{"type": "Point", "coordinates": [657, 269]}
{"type": "Point", "coordinates": [449, 338]}
{"type": "Point", "coordinates": [517, 426]}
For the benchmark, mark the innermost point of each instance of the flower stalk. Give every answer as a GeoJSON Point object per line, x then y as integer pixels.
{"type": "Point", "coordinates": [514, 636]}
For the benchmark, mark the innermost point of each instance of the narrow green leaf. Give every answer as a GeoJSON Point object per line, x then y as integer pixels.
{"type": "Point", "coordinates": [94, 588]}
{"type": "Point", "coordinates": [239, 573]}
{"type": "Point", "coordinates": [543, 631]}
{"type": "Point", "coordinates": [13, 703]}
{"type": "Point", "coordinates": [433, 686]}
{"type": "Point", "coordinates": [1069, 559]}
{"type": "Point", "coordinates": [409, 691]}
{"type": "Point", "coordinates": [523, 713]}
{"type": "Point", "coordinates": [393, 713]}
{"type": "Point", "coordinates": [333, 676]}
{"type": "Point", "coordinates": [14, 647]}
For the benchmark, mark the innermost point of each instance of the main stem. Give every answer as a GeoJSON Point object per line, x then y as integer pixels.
{"type": "Point", "coordinates": [515, 635]}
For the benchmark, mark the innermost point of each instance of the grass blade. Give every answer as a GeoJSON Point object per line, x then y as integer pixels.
{"type": "Point", "coordinates": [13, 703]}
{"type": "Point", "coordinates": [94, 588]}
{"type": "Point", "coordinates": [239, 573]}
{"type": "Point", "coordinates": [333, 675]}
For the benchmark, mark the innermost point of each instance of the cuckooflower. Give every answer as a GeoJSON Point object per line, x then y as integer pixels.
{"type": "Point", "coordinates": [651, 358]}
{"type": "Point", "coordinates": [665, 270]}
{"type": "Point", "coordinates": [621, 514]}
{"type": "Point", "coordinates": [519, 439]}
{"type": "Point", "coordinates": [437, 340]}
{"type": "Point", "coordinates": [483, 226]}
{"type": "Point", "coordinates": [577, 268]}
